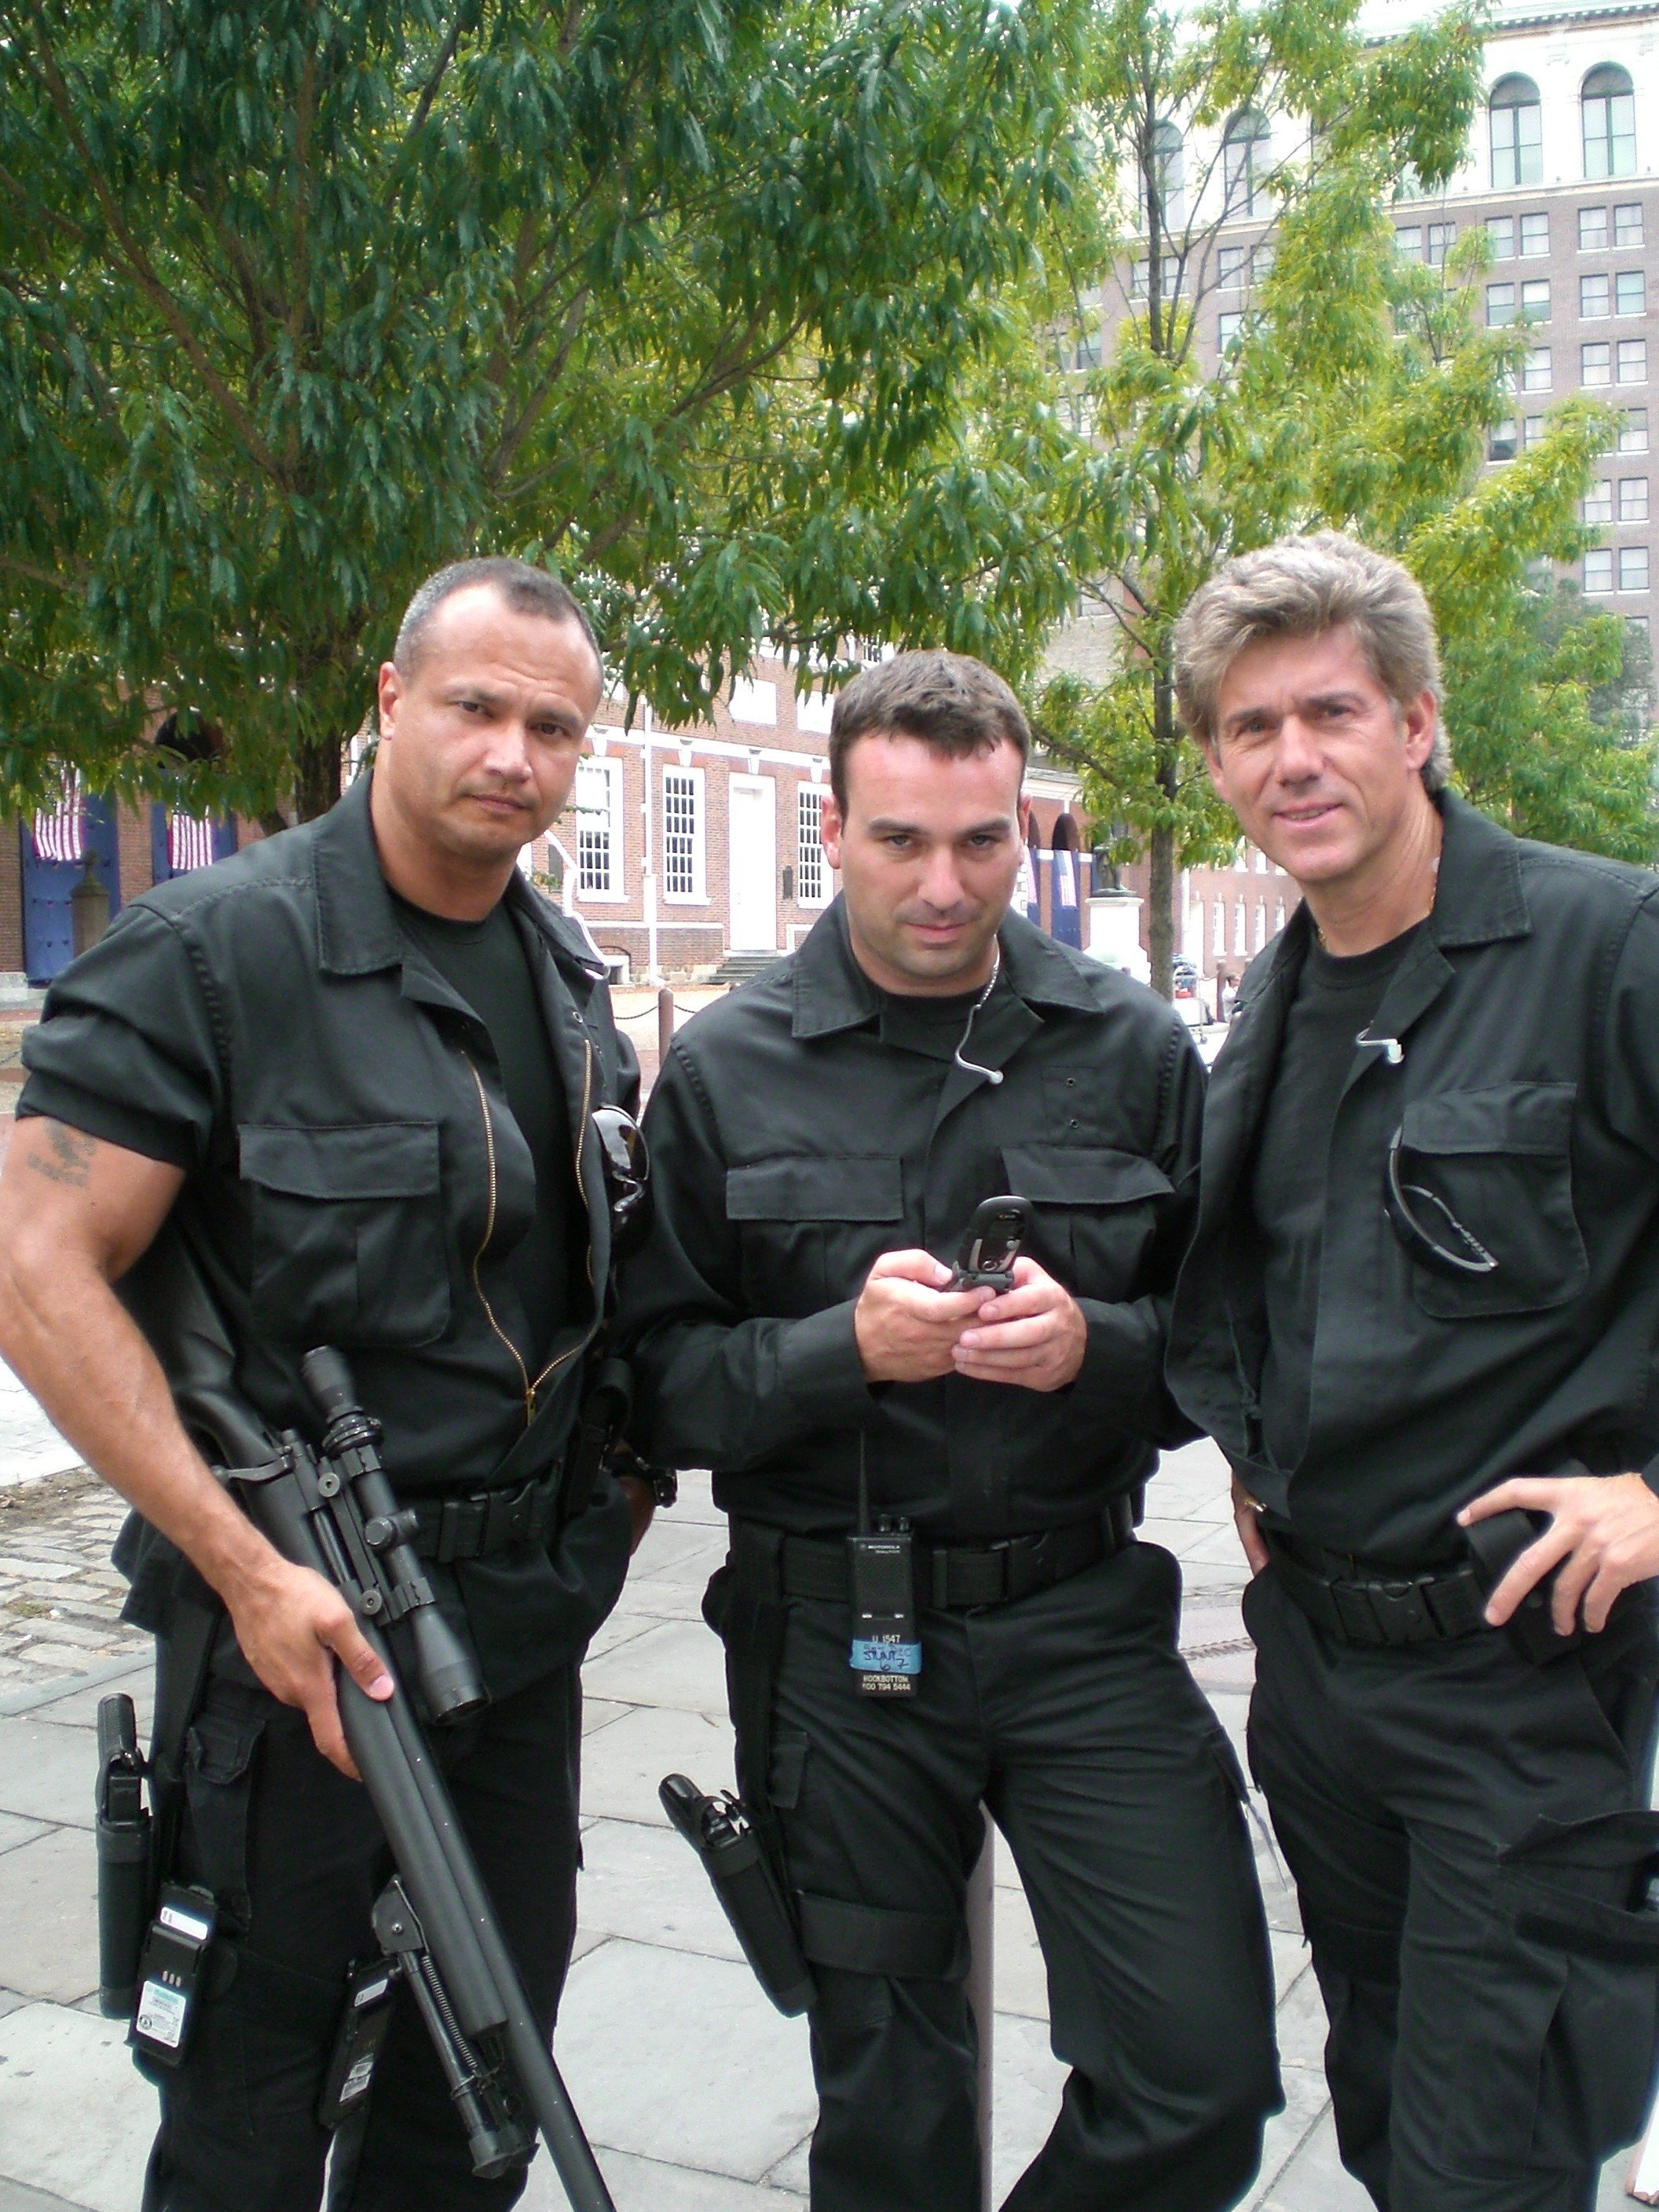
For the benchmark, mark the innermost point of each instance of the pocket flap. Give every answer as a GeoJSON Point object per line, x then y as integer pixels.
{"type": "Point", "coordinates": [357, 1159]}
{"type": "Point", "coordinates": [1081, 1174]}
{"type": "Point", "coordinates": [816, 1190]}
{"type": "Point", "coordinates": [1506, 1117]}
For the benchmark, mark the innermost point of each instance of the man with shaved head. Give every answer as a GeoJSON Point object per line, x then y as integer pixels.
{"type": "Point", "coordinates": [354, 1069]}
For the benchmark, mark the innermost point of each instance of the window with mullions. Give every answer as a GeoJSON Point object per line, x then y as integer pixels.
{"type": "Point", "coordinates": [1633, 499]}
{"type": "Point", "coordinates": [1627, 224]}
{"type": "Point", "coordinates": [1632, 357]}
{"type": "Point", "coordinates": [1535, 236]}
{"type": "Point", "coordinates": [1244, 164]}
{"type": "Point", "coordinates": [1500, 236]}
{"type": "Point", "coordinates": [1515, 122]}
{"type": "Point", "coordinates": [812, 870]}
{"type": "Point", "coordinates": [1630, 293]}
{"type": "Point", "coordinates": [1536, 370]}
{"type": "Point", "coordinates": [1598, 571]}
{"type": "Point", "coordinates": [1607, 103]}
{"type": "Point", "coordinates": [1597, 505]}
{"type": "Point", "coordinates": [1632, 567]}
{"type": "Point", "coordinates": [1595, 296]}
{"type": "Point", "coordinates": [1169, 168]}
{"type": "Point", "coordinates": [1408, 241]}
{"type": "Point", "coordinates": [1592, 229]}
{"type": "Point", "coordinates": [1633, 431]}
{"type": "Point", "coordinates": [598, 800]}
{"type": "Point", "coordinates": [1438, 243]}
{"type": "Point", "coordinates": [681, 834]}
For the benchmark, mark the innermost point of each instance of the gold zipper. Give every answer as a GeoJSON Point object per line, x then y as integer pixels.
{"type": "Point", "coordinates": [530, 1388]}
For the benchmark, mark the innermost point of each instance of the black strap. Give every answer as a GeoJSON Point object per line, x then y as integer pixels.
{"type": "Point", "coordinates": [873, 1939]}
{"type": "Point", "coordinates": [1382, 1608]}
{"type": "Point", "coordinates": [957, 1576]}
{"type": "Point", "coordinates": [477, 1526]}
{"type": "Point", "coordinates": [182, 1654]}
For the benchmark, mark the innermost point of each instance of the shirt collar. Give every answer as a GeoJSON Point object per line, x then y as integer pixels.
{"type": "Point", "coordinates": [831, 991]}
{"type": "Point", "coordinates": [1479, 895]}
{"type": "Point", "coordinates": [357, 932]}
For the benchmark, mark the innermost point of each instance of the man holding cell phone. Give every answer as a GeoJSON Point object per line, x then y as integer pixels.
{"type": "Point", "coordinates": [935, 1597]}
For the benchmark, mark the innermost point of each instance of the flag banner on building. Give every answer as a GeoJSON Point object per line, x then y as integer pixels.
{"type": "Point", "coordinates": [1026, 888]}
{"type": "Point", "coordinates": [60, 834]}
{"type": "Point", "coordinates": [190, 843]}
{"type": "Point", "coordinates": [1065, 877]}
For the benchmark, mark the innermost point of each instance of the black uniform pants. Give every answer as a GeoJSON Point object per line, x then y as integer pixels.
{"type": "Point", "coordinates": [1494, 2002]}
{"type": "Point", "coordinates": [1070, 1714]}
{"type": "Point", "coordinates": [295, 1854]}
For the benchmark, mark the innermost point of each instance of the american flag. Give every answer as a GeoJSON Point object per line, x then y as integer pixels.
{"type": "Point", "coordinates": [59, 835]}
{"type": "Point", "coordinates": [1065, 877]}
{"type": "Point", "coordinates": [190, 843]}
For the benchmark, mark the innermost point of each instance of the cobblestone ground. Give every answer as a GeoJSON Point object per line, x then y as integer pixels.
{"type": "Point", "coordinates": [59, 1596]}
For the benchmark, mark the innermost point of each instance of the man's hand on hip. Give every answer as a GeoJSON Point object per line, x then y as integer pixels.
{"type": "Point", "coordinates": [292, 1626]}
{"type": "Point", "coordinates": [906, 1322]}
{"type": "Point", "coordinates": [1605, 1529]}
{"type": "Point", "coordinates": [1034, 1335]}
{"type": "Point", "coordinates": [1245, 1510]}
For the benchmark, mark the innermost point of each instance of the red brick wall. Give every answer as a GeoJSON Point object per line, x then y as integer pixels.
{"type": "Point", "coordinates": [11, 895]}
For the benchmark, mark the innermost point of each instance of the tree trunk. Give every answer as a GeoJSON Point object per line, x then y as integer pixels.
{"type": "Point", "coordinates": [1160, 910]}
{"type": "Point", "coordinates": [316, 776]}
{"type": "Point", "coordinates": [1162, 872]}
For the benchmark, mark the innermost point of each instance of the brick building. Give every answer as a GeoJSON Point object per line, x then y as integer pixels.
{"type": "Point", "coordinates": [132, 848]}
{"type": "Point", "coordinates": [687, 849]}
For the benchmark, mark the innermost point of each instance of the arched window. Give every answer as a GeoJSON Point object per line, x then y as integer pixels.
{"type": "Point", "coordinates": [1244, 163]}
{"type": "Point", "coordinates": [1516, 125]}
{"type": "Point", "coordinates": [1169, 170]}
{"type": "Point", "coordinates": [1608, 103]}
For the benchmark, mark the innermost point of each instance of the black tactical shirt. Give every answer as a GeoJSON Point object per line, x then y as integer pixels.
{"type": "Point", "coordinates": [1334, 1001]}
{"type": "Point", "coordinates": [809, 1122]}
{"type": "Point", "coordinates": [356, 1174]}
{"type": "Point", "coordinates": [1524, 1099]}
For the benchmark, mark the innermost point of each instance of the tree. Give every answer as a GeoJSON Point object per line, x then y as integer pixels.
{"type": "Point", "coordinates": [698, 301]}
{"type": "Point", "coordinates": [1356, 392]}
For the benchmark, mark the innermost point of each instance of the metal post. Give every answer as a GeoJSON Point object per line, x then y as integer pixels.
{"type": "Point", "coordinates": [980, 1991]}
{"type": "Point", "coordinates": [664, 1027]}
{"type": "Point", "coordinates": [88, 906]}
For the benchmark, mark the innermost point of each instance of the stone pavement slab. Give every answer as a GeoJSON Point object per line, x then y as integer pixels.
{"type": "Point", "coordinates": [49, 1917]}
{"type": "Point", "coordinates": [46, 1772]}
{"type": "Point", "coordinates": [75, 2115]}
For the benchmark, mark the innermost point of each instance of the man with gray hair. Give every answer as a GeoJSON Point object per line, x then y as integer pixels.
{"type": "Point", "coordinates": [1420, 1315]}
{"type": "Point", "coordinates": [354, 1070]}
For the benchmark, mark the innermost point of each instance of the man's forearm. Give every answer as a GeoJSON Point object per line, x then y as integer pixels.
{"type": "Point", "coordinates": [74, 1345]}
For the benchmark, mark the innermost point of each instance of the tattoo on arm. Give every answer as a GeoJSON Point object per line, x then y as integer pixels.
{"type": "Point", "coordinates": [72, 1151]}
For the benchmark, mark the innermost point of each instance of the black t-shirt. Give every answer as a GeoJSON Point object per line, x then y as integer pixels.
{"type": "Point", "coordinates": [932, 1026]}
{"type": "Point", "coordinates": [485, 962]}
{"type": "Point", "coordinates": [1335, 999]}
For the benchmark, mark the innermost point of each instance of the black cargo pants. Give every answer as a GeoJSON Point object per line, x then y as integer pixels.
{"type": "Point", "coordinates": [1467, 1831]}
{"type": "Point", "coordinates": [295, 1854]}
{"type": "Point", "coordinates": [1070, 1714]}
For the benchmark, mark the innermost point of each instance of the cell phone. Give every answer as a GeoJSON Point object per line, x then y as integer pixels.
{"type": "Point", "coordinates": [1495, 1544]}
{"type": "Point", "coordinates": [991, 1243]}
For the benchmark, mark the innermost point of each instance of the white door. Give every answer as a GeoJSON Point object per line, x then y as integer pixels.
{"type": "Point", "coordinates": [753, 851]}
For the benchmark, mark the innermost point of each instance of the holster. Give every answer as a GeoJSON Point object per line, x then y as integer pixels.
{"type": "Point", "coordinates": [744, 1605]}
{"type": "Point", "coordinates": [606, 1404]}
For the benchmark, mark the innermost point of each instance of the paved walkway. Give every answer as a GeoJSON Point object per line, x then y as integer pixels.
{"type": "Point", "coordinates": [698, 2095]}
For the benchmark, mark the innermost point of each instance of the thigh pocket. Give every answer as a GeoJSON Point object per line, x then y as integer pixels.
{"type": "Point", "coordinates": [1574, 1893]}
{"type": "Point", "coordinates": [349, 1244]}
{"type": "Point", "coordinates": [218, 1775]}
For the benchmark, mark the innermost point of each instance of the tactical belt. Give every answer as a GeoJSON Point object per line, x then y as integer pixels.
{"type": "Point", "coordinates": [487, 1521]}
{"type": "Point", "coordinates": [955, 1576]}
{"type": "Point", "coordinates": [1360, 1602]}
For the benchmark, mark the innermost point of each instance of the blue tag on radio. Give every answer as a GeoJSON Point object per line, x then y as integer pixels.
{"type": "Point", "coordinates": [886, 1653]}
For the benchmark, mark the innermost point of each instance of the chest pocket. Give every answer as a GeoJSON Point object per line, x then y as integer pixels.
{"type": "Point", "coordinates": [348, 1226]}
{"type": "Point", "coordinates": [1499, 1163]}
{"type": "Point", "coordinates": [1097, 1214]}
{"type": "Point", "coordinates": [810, 1229]}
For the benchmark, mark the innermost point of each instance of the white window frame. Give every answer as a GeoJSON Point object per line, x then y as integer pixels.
{"type": "Point", "coordinates": [593, 770]}
{"type": "Point", "coordinates": [1598, 572]}
{"type": "Point", "coordinates": [686, 783]}
{"type": "Point", "coordinates": [809, 845]}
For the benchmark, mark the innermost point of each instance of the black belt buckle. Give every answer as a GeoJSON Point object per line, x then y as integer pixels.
{"type": "Point", "coordinates": [1401, 1614]}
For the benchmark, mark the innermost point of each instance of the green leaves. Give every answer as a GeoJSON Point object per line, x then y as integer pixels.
{"type": "Point", "coordinates": [722, 309]}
